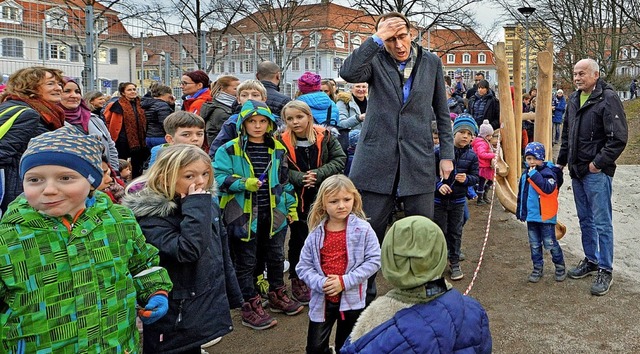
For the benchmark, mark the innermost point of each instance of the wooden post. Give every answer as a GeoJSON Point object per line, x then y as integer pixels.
{"type": "Point", "coordinates": [517, 106]}
{"type": "Point", "coordinates": [542, 127]}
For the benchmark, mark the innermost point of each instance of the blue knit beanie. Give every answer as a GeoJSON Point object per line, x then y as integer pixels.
{"type": "Point", "coordinates": [465, 121]}
{"type": "Point", "coordinates": [65, 147]}
{"type": "Point", "coordinates": [535, 149]}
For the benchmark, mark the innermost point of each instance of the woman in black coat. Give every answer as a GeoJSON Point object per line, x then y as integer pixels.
{"type": "Point", "coordinates": [29, 108]}
{"type": "Point", "coordinates": [156, 109]}
{"type": "Point", "coordinates": [484, 105]}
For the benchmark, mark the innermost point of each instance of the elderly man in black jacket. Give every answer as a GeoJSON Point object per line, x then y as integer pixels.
{"type": "Point", "coordinates": [593, 137]}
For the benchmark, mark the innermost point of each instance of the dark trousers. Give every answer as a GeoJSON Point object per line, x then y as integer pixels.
{"type": "Point", "coordinates": [299, 230]}
{"type": "Point", "coordinates": [319, 332]}
{"type": "Point", "coordinates": [246, 254]}
{"type": "Point", "coordinates": [449, 217]}
{"type": "Point", "coordinates": [379, 207]}
{"type": "Point", "coordinates": [481, 183]}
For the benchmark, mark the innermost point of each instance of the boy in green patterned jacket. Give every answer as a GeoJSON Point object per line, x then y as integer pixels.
{"type": "Point", "coordinates": [73, 266]}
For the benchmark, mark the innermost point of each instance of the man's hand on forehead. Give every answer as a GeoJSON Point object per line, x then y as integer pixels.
{"type": "Point", "coordinates": [390, 27]}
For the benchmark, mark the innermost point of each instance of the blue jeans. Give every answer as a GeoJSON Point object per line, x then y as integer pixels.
{"type": "Point", "coordinates": [541, 234]}
{"type": "Point", "coordinates": [557, 131]}
{"type": "Point", "coordinates": [592, 194]}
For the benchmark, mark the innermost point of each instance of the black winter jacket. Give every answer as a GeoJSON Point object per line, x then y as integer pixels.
{"type": "Point", "coordinates": [275, 99]}
{"type": "Point", "coordinates": [28, 125]}
{"type": "Point", "coordinates": [155, 110]}
{"type": "Point", "coordinates": [491, 110]}
{"type": "Point", "coordinates": [194, 249]}
{"type": "Point", "coordinates": [465, 161]}
{"type": "Point", "coordinates": [214, 113]}
{"type": "Point", "coordinates": [595, 132]}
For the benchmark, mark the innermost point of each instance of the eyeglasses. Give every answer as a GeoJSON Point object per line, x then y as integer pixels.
{"type": "Point", "coordinates": [186, 83]}
{"type": "Point", "coordinates": [399, 37]}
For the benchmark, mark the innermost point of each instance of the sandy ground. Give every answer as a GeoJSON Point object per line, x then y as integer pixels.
{"type": "Point", "coordinates": [547, 317]}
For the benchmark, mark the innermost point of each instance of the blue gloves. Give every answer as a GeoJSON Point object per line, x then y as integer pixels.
{"type": "Point", "coordinates": [157, 306]}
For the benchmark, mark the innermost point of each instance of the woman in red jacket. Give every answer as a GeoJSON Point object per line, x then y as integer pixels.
{"type": "Point", "coordinates": [128, 127]}
{"type": "Point", "coordinates": [195, 86]}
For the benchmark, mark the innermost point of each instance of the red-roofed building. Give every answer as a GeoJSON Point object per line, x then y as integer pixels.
{"type": "Point", "coordinates": [52, 33]}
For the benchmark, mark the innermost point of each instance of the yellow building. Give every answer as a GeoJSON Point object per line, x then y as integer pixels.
{"type": "Point", "coordinates": [538, 36]}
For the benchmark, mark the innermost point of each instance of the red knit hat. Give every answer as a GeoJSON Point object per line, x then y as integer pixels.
{"type": "Point", "coordinates": [309, 82]}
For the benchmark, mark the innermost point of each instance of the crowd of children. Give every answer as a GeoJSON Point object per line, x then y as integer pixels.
{"type": "Point", "coordinates": [229, 208]}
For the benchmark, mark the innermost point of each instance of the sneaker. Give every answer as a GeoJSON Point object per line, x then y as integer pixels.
{"type": "Point", "coordinates": [286, 266]}
{"type": "Point", "coordinates": [211, 343]}
{"type": "Point", "coordinates": [480, 201]}
{"type": "Point", "coordinates": [462, 256]}
{"type": "Point", "coordinates": [300, 291]}
{"type": "Point", "coordinates": [584, 268]}
{"type": "Point", "coordinates": [601, 283]}
{"type": "Point", "coordinates": [456, 272]}
{"type": "Point", "coordinates": [254, 316]}
{"type": "Point", "coordinates": [561, 273]}
{"type": "Point", "coordinates": [536, 275]}
{"type": "Point", "coordinates": [279, 301]}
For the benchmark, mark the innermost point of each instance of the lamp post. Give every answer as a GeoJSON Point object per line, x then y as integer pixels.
{"type": "Point", "coordinates": [527, 11]}
{"type": "Point", "coordinates": [142, 62]}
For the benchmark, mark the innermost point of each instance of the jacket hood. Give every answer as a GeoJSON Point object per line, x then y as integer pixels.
{"type": "Point", "coordinates": [345, 97]}
{"type": "Point", "coordinates": [255, 108]}
{"type": "Point", "coordinates": [149, 203]}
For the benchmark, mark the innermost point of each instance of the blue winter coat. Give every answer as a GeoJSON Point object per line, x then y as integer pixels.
{"type": "Point", "coordinates": [538, 194]}
{"type": "Point", "coordinates": [322, 107]}
{"type": "Point", "coordinates": [465, 161]}
{"type": "Point", "coordinates": [450, 323]}
{"type": "Point", "coordinates": [558, 112]}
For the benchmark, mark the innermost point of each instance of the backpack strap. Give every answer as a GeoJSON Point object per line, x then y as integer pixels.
{"type": "Point", "coordinates": [4, 128]}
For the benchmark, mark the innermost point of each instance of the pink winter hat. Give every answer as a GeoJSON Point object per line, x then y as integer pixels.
{"type": "Point", "coordinates": [309, 82]}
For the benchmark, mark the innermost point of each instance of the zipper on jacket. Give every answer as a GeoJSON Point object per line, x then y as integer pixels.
{"type": "Point", "coordinates": [179, 318]}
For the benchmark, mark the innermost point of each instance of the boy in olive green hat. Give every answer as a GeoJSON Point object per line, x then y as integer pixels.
{"type": "Point", "coordinates": [425, 311]}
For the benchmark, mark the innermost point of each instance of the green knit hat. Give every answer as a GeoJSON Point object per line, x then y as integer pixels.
{"type": "Point", "coordinates": [414, 252]}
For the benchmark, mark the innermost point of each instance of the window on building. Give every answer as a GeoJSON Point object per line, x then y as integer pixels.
{"type": "Point", "coordinates": [12, 48]}
{"type": "Point", "coordinates": [74, 53]}
{"type": "Point", "coordinates": [634, 53]}
{"type": "Point", "coordinates": [232, 66]}
{"type": "Point", "coordinates": [451, 58]}
{"type": "Point", "coordinates": [482, 58]}
{"type": "Point", "coordinates": [337, 63]}
{"type": "Point", "coordinates": [58, 51]}
{"type": "Point", "coordinates": [10, 12]}
{"type": "Point", "coordinates": [466, 58]}
{"type": "Point", "coordinates": [356, 42]}
{"type": "Point", "coordinates": [248, 44]}
{"type": "Point", "coordinates": [101, 25]}
{"type": "Point", "coordinates": [103, 55]}
{"type": "Point", "coordinates": [310, 63]}
{"type": "Point", "coordinates": [338, 40]}
{"type": "Point", "coordinates": [113, 56]}
{"type": "Point", "coordinates": [450, 73]}
{"type": "Point", "coordinates": [297, 40]}
{"type": "Point", "coordinates": [625, 54]}
{"type": "Point", "coordinates": [219, 67]}
{"type": "Point", "coordinates": [56, 18]}
{"type": "Point", "coordinates": [248, 66]}
{"type": "Point", "coordinates": [233, 45]}
{"type": "Point", "coordinates": [314, 39]}
{"type": "Point", "coordinates": [264, 43]}
{"type": "Point", "coordinates": [295, 64]}
{"type": "Point", "coordinates": [183, 53]}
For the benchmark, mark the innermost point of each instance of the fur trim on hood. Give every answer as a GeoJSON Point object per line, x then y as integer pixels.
{"type": "Point", "coordinates": [380, 311]}
{"type": "Point", "coordinates": [149, 203]}
{"type": "Point", "coordinates": [345, 97]}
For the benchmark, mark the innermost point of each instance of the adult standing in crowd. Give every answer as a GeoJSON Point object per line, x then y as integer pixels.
{"type": "Point", "coordinates": [558, 106]}
{"type": "Point", "coordinates": [633, 89]}
{"type": "Point", "coordinates": [195, 86]}
{"type": "Point", "coordinates": [78, 114]}
{"type": "Point", "coordinates": [269, 74]}
{"type": "Point", "coordinates": [127, 125]}
{"type": "Point", "coordinates": [395, 154]}
{"type": "Point", "coordinates": [157, 107]}
{"type": "Point", "coordinates": [593, 137]}
{"type": "Point", "coordinates": [476, 79]}
{"type": "Point", "coordinates": [353, 106]}
{"type": "Point", "coordinates": [216, 112]}
{"type": "Point", "coordinates": [29, 108]}
{"type": "Point", "coordinates": [484, 105]}
{"type": "Point", "coordinates": [96, 101]}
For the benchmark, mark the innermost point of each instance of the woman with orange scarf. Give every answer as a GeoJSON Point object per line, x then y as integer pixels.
{"type": "Point", "coordinates": [29, 108]}
{"type": "Point", "coordinates": [128, 126]}
{"type": "Point", "coordinates": [195, 87]}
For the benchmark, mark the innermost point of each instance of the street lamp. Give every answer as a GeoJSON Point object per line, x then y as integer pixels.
{"type": "Point", "coordinates": [527, 11]}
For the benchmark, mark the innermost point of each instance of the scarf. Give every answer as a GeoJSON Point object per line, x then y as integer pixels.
{"type": "Point", "coordinates": [51, 113]}
{"type": "Point", "coordinates": [135, 123]}
{"type": "Point", "coordinates": [407, 69]}
{"type": "Point", "coordinates": [78, 116]}
{"type": "Point", "coordinates": [225, 98]}
{"type": "Point", "coordinates": [421, 294]}
{"type": "Point", "coordinates": [200, 92]}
